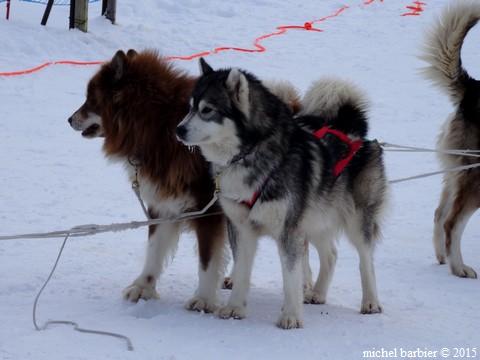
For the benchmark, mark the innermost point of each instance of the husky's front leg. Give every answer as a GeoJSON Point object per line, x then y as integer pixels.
{"type": "Point", "coordinates": [162, 240]}
{"type": "Point", "coordinates": [232, 239]}
{"type": "Point", "coordinates": [291, 249]}
{"type": "Point", "coordinates": [241, 274]}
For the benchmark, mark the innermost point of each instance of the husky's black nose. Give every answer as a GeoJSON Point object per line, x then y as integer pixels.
{"type": "Point", "coordinates": [181, 132]}
{"type": "Point", "coordinates": [70, 119]}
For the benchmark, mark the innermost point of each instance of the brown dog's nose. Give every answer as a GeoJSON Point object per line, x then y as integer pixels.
{"type": "Point", "coordinates": [70, 119]}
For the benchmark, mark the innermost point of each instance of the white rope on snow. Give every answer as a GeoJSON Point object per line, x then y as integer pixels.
{"type": "Point", "coordinates": [85, 230]}
{"type": "Point", "coordinates": [76, 327]}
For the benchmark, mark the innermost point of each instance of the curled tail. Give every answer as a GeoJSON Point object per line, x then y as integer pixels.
{"type": "Point", "coordinates": [335, 103]}
{"type": "Point", "coordinates": [443, 48]}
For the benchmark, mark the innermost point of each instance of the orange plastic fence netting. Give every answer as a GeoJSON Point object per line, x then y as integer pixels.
{"type": "Point", "coordinates": [257, 46]}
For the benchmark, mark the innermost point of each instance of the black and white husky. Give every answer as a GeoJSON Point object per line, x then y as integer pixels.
{"type": "Point", "coordinates": [278, 179]}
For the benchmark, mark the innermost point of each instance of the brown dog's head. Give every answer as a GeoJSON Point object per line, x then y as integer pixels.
{"type": "Point", "coordinates": [100, 95]}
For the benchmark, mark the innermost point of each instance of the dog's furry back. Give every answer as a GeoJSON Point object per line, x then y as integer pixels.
{"type": "Point", "coordinates": [443, 48]}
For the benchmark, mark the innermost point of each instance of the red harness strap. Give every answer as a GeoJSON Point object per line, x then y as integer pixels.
{"type": "Point", "coordinates": [252, 201]}
{"type": "Point", "coordinates": [353, 147]}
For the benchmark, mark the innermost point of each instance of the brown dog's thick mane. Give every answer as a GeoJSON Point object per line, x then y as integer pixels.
{"type": "Point", "coordinates": [143, 98]}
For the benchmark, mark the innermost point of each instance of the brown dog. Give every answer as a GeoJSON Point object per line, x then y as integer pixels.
{"type": "Point", "coordinates": [135, 102]}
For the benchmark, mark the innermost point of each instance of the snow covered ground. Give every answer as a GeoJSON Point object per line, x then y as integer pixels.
{"type": "Point", "coordinates": [51, 178]}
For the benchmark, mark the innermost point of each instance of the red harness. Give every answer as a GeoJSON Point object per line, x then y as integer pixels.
{"type": "Point", "coordinates": [353, 147]}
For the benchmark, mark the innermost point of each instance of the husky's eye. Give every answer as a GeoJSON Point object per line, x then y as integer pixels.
{"type": "Point", "coordinates": [206, 110]}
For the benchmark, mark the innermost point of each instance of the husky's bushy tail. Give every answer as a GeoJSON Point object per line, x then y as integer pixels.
{"type": "Point", "coordinates": [336, 103]}
{"type": "Point", "coordinates": [443, 48]}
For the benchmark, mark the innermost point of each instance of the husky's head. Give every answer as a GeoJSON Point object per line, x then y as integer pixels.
{"type": "Point", "coordinates": [88, 117]}
{"type": "Point", "coordinates": [229, 111]}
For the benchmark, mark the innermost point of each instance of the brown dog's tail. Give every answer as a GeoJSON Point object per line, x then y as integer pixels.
{"type": "Point", "coordinates": [444, 44]}
{"type": "Point", "coordinates": [286, 92]}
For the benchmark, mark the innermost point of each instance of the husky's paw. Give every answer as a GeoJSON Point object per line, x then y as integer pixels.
{"type": "Point", "coordinates": [200, 304]}
{"type": "Point", "coordinates": [289, 321]}
{"type": "Point", "coordinates": [315, 299]}
{"type": "Point", "coordinates": [442, 259]}
{"type": "Point", "coordinates": [463, 271]}
{"type": "Point", "coordinates": [136, 292]}
{"type": "Point", "coordinates": [371, 307]}
{"type": "Point", "coordinates": [227, 312]}
{"type": "Point", "coordinates": [227, 283]}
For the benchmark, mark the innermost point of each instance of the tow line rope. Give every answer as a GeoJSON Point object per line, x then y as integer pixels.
{"type": "Point", "coordinates": [460, 152]}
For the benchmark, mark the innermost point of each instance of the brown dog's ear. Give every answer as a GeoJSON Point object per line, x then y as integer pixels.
{"type": "Point", "coordinates": [118, 64]}
{"type": "Point", "coordinates": [204, 67]}
{"type": "Point", "coordinates": [131, 53]}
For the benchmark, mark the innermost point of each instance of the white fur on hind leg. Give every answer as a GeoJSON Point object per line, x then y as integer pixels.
{"type": "Point", "coordinates": [327, 253]}
{"type": "Point", "coordinates": [307, 276]}
{"type": "Point", "coordinates": [370, 303]}
{"type": "Point", "coordinates": [292, 311]}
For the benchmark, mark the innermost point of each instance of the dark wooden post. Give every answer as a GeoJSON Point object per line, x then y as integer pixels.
{"type": "Point", "coordinates": [8, 9]}
{"type": "Point", "coordinates": [109, 9]}
{"type": "Point", "coordinates": [46, 14]}
{"type": "Point", "coordinates": [104, 6]}
{"type": "Point", "coordinates": [81, 15]}
{"type": "Point", "coordinates": [71, 20]}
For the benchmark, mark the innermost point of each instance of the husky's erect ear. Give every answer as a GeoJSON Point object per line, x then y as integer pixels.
{"type": "Point", "coordinates": [118, 64]}
{"type": "Point", "coordinates": [204, 67]}
{"type": "Point", "coordinates": [237, 85]}
{"type": "Point", "coordinates": [131, 53]}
